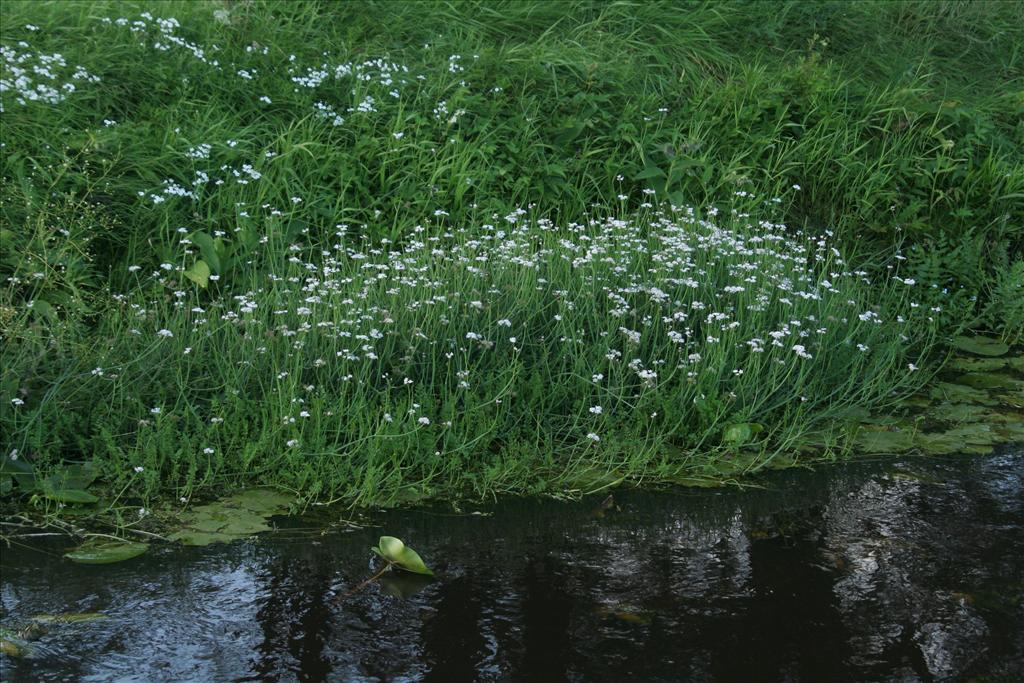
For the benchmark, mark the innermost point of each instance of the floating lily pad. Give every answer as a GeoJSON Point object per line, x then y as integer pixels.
{"type": "Point", "coordinates": [989, 380]}
{"type": "Point", "coordinates": [105, 551]}
{"type": "Point", "coordinates": [981, 346]}
{"type": "Point", "coordinates": [978, 364]}
{"type": "Point", "coordinates": [975, 439]}
{"type": "Point", "coordinates": [238, 516]}
{"type": "Point", "coordinates": [1010, 431]}
{"type": "Point", "coordinates": [261, 501]}
{"type": "Point", "coordinates": [870, 441]}
{"type": "Point", "coordinates": [959, 393]}
{"type": "Point", "coordinates": [916, 401]}
{"type": "Point", "coordinates": [854, 414]}
{"type": "Point", "coordinates": [958, 412]}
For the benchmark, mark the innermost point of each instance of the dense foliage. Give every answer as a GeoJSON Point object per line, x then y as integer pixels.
{"type": "Point", "coordinates": [365, 250]}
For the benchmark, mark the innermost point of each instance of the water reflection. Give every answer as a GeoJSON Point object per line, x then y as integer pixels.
{"type": "Point", "coordinates": [858, 573]}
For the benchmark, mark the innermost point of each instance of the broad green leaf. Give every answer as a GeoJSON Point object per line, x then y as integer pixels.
{"type": "Point", "coordinates": [649, 172]}
{"type": "Point", "coordinates": [390, 548]}
{"type": "Point", "coordinates": [262, 501]}
{"type": "Point", "coordinates": [401, 555]}
{"type": "Point", "coordinates": [410, 561]}
{"type": "Point", "coordinates": [199, 274]}
{"type": "Point", "coordinates": [68, 495]}
{"type": "Point", "coordinates": [958, 393]}
{"type": "Point", "coordinates": [989, 380]}
{"type": "Point", "coordinates": [207, 249]}
{"type": "Point", "coordinates": [106, 551]}
{"type": "Point", "coordinates": [978, 364]}
{"type": "Point", "coordinates": [21, 471]}
{"type": "Point", "coordinates": [981, 346]}
{"type": "Point", "coordinates": [884, 441]}
{"type": "Point", "coordinates": [741, 433]}
{"type": "Point", "coordinates": [78, 476]}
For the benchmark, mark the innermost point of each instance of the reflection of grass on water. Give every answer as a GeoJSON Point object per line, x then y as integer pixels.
{"type": "Point", "coordinates": [453, 256]}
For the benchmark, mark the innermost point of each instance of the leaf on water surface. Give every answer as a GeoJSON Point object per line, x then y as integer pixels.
{"type": "Point", "coordinates": [870, 441]}
{"type": "Point", "coordinates": [1011, 431]}
{"type": "Point", "coordinates": [989, 380]}
{"type": "Point", "coordinates": [261, 501]}
{"type": "Point", "coordinates": [105, 551]}
{"type": "Point", "coordinates": [398, 553]}
{"type": "Point", "coordinates": [978, 364]}
{"type": "Point", "coordinates": [958, 393]}
{"type": "Point", "coordinates": [237, 516]}
{"type": "Point", "coordinates": [853, 414]}
{"type": "Point", "coordinates": [981, 346]}
{"type": "Point", "coordinates": [958, 412]}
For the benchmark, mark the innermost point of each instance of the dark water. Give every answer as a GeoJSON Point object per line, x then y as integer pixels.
{"type": "Point", "coordinates": [910, 570]}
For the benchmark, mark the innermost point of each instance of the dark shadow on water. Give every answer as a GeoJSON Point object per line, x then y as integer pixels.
{"type": "Point", "coordinates": [909, 570]}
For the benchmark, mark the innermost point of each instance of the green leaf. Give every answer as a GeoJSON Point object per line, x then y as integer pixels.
{"type": "Point", "coordinates": [106, 551]}
{"type": "Point", "coordinates": [78, 477]}
{"type": "Point", "coordinates": [199, 274]}
{"type": "Point", "coordinates": [989, 380]}
{"type": "Point", "coordinates": [650, 172]}
{"type": "Point", "coordinates": [884, 441]}
{"type": "Point", "coordinates": [208, 250]}
{"type": "Point", "coordinates": [67, 495]}
{"type": "Point", "coordinates": [390, 548]}
{"type": "Point", "coordinates": [401, 555]}
{"type": "Point", "coordinates": [42, 309]}
{"type": "Point", "coordinates": [741, 433]}
{"type": "Point", "coordinates": [981, 346]}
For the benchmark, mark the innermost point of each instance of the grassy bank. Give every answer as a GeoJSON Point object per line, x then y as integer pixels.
{"type": "Point", "coordinates": [366, 252]}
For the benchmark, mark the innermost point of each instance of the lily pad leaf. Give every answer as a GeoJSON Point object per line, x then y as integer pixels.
{"type": "Point", "coordinates": [398, 553]}
{"type": "Point", "coordinates": [989, 380]}
{"type": "Point", "coordinates": [884, 441]}
{"type": "Point", "coordinates": [981, 346]}
{"type": "Point", "coordinates": [106, 551]}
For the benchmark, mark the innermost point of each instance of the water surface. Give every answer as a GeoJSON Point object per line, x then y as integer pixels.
{"type": "Point", "coordinates": [907, 570]}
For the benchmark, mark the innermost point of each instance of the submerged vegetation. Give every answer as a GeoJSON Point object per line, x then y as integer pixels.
{"type": "Point", "coordinates": [377, 252]}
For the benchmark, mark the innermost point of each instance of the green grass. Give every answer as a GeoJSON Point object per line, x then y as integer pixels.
{"type": "Point", "coordinates": [485, 147]}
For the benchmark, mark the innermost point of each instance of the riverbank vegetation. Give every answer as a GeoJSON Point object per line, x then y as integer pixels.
{"type": "Point", "coordinates": [374, 252]}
